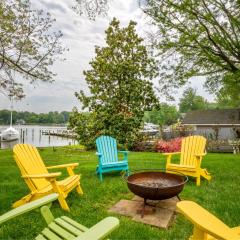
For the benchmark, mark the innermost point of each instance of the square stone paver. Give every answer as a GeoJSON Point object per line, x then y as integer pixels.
{"type": "Point", "coordinates": [160, 214]}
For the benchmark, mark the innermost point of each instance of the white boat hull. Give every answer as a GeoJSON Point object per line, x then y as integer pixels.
{"type": "Point", "coordinates": [10, 134]}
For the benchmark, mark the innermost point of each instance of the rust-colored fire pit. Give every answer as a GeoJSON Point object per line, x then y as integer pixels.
{"type": "Point", "coordinates": [155, 185]}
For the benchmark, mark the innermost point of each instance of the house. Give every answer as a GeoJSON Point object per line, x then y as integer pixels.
{"type": "Point", "coordinates": [218, 124]}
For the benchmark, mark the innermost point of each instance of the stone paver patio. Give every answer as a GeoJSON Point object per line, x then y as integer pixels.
{"type": "Point", "coordinates": [160, 214]}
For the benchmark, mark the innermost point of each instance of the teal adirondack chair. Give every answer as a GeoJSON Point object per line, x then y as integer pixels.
{"type": "Point", "coordinates": [108, 156]}
{"type": "Point", "coordinates": [63, 227]}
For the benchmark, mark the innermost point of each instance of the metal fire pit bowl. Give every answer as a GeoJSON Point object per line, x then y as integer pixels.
{"type": "Point", "coordinates": [156, 185]}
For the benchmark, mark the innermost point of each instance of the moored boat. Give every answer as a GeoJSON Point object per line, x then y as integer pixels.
{"type": "Point", "coordinates": [10, 134]}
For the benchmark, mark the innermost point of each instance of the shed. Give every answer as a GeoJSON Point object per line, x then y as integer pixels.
{"type": "Point", "coordinates": [215, 123]}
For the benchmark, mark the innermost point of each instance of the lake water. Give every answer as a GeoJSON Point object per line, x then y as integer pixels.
{"type": "Point", "coordinates": [32, 134]}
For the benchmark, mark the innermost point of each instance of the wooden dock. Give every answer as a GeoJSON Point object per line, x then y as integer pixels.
{"type": "Point", "coordinates": [60, 133]}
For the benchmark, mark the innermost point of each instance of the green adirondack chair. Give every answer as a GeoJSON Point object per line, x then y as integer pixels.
{"type": "Point", "coordinates": [63, 227]}
{"type": "Point", "coordinates": [66, 228]}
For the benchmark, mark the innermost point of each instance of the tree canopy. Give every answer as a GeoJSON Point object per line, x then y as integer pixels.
{"type": "Point", "coordinates": [228, 97]}
{"type": "Point", "coordinates": [120, 84]}
{"type": "Point", "coordinates": [166, 115]}
{"type": "Point", "coordinates": [92, 8]}
{"type": "Point", "coordinates": [197, 37]}
{"type": "Point", "coordinates": [28, 42]}
{"type": "Point", "coordinates": [34, 118]}
{"type": "Point", "coordinates": [190, 101]}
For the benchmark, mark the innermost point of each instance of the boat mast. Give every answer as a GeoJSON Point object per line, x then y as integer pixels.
{"type": "Point", "coordinates": [11, 99]}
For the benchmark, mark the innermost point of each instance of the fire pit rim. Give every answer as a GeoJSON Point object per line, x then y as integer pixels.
{"type": "Point", "coordinates": [125, 177]}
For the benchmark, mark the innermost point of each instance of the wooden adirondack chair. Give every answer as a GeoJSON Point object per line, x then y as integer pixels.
{"type": "Point", "coordinates": [108, 156]}
{"type": "Point", "coordinates": [206, 225]}
{"type": "Point", "coordinates": [192, 152]}
{"type": "Point", "coordinates": [39, 180]}
{"type": "Point", "coordinates": [63, 227]}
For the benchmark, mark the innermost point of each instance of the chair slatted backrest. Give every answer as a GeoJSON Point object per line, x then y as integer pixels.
{"type": "Point", "coordinates": [30, 162]}
{"type": "Point", "coordinates": [107, 146]}
{"type": "Point", "coordinates": [190, 146]}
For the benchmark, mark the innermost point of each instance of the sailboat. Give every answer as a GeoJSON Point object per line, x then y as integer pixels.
{"type": "Point", "coordinates": [10, 134]}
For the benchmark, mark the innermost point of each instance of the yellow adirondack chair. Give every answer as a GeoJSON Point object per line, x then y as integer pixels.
{"type": "Point", "coordinates": [206, 225]}
{"type": "Point", "coordinates": [39, 180]}
{"type": "Point", "coordinates": [192, 152]}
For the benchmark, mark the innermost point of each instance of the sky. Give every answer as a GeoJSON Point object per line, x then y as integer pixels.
{"type": "Point", "coordinates": [80, 36]}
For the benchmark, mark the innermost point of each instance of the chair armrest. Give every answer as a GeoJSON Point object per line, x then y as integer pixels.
{"type": "Point", "coordinates": [169, 156]}
{"type": "Point", "coordinates": [172, 153]}
{"type": "Point", "coordinates": [45, 175]}
{"type": "Point", "coordinates": [73, 165]}
{"type": "Point", "coordinates": [200, 155]}
{"type": "Point", "coordinates": [100, 230]}
{"type": "Point", "coordinates": [205, 221]}
{"type": "Point", "coordinates": [125, 155]}
{"type": "Point", "coordinates": [28, 207]}
{"type": "Point", "coordinates": [126, 152]}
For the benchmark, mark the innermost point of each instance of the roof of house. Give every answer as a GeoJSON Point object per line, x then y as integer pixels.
{"type": "Point", "coordinates": [213, 117]}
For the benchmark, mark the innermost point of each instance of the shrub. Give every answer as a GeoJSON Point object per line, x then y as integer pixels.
{"type": "Point", "coordinates": [143, 146]}
{"type": "Point", "coordinates": [82, 123]}
{"type": "Point", "coordinates": [173, 145]}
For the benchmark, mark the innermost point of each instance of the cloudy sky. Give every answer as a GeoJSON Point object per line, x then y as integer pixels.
{"type": "Point", "coordinates": [80, 35]}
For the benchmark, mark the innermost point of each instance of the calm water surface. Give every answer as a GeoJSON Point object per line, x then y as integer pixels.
{"type": "Point", "coordinates": [32, 134]}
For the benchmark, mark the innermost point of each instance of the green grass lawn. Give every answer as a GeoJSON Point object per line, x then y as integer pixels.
{"type": "Point", "coordinates": [220, 196]}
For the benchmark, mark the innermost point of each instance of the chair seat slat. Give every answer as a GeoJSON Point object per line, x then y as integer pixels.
{"type": "Point", "coordinates": [75, 224]}
{"type": "Point", "coordinates": [40, 237]}
{"type": "Point", "coordinates": [60, 231]}
{"type": "Point", "coordinates": [50, 235]}
{"type": "Point", "coordinates": [70, 228]}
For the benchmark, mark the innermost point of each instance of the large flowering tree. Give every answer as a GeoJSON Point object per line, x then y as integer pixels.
{"type": "Point", "coordinates": [120, 83]}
